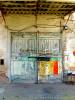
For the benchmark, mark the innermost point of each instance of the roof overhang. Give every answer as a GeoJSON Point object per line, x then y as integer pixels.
{"type": "Point", "coordinates": [53, 7]}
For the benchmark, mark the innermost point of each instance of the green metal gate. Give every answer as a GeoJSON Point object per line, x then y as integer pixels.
{"type": "Point", "coordinates": [25, 47]}
{"type": "Point", "coordinates": [22, 67]}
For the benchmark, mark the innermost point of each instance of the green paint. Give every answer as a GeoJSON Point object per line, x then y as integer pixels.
{"type": "Point", "coordinates": [31, 59]}
{"type": "Point", "coordinates": [55, 59]}
{"type": "Point", "coordinates": [26, 59]}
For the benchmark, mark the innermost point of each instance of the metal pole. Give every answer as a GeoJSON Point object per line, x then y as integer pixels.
{"type": "Point", "coordinates": [36, 62]}
{"type": "Point", "coordinates": [62, 53]}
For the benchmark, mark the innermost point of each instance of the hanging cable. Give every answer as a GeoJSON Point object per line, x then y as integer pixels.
{"type": "Point", "coordinates": [36, 25]}
{"type": "Point", "coordinates": [68, 18]}
{"type": "Point", "coordinates": [65, 25]}
{"type": "Point", "coordinates": [25, 28]}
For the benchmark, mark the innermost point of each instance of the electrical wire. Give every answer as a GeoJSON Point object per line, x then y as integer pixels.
{"type": "Point", "coordinates": [45, 25]}
{"type": "Point", "coordinates": [66, 22]}
{"type": "Point", "coordinates": [25, 28]}
{"type": "Point", "coordinates": [36, 25]}
{"type": "Point", "coordinates": [68, 18]}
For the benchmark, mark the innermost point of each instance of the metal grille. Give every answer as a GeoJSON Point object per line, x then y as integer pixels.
{"type": "Point", "coordinates": [22, 44]}
{"type": "Point", "coordinates": [48, 45]}
{"type": "Point", "coordinates": [28, 45]}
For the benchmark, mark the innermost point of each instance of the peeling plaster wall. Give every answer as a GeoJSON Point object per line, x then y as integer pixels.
{"type": "Point", "coordinates": [4, 51]}
{"type": "Point", "coordinates": [69, 42]}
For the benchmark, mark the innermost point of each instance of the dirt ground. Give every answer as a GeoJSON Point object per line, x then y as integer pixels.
{"type": "Point", "coordinates": [44, 91]}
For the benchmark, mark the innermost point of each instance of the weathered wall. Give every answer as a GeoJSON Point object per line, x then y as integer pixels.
{"type": "Point", "coordinates": [4, 51]}
{"type": "Point", "coordinates": [25, 23]}
{"type": "Point", "coordinates": [46, 23]}
{"type": "Point", "coordinates": [69, 42]}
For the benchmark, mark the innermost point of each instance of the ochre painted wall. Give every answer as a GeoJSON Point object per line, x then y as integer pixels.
{"type": "Point", "coordinates": [27, 22]}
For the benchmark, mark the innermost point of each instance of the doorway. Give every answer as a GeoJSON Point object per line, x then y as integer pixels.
{"type": "Point", "coordinates": [50, 71]}
{"type": "Point", "coordinates": [26, 48]}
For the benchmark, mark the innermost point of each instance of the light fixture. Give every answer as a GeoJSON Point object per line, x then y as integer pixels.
{"type": "Point", "coordinates": [65, 27]}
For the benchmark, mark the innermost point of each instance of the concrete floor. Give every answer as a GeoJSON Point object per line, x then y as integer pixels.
{"type": "Point", "coordinates": [45, 91]}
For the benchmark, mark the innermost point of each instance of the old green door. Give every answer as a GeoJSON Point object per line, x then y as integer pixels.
{"type": "Point", "coordinates": [23, 68]}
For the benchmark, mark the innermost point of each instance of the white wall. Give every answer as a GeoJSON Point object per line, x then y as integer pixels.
{"type": "Point", "coordinates": [69, 41]}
